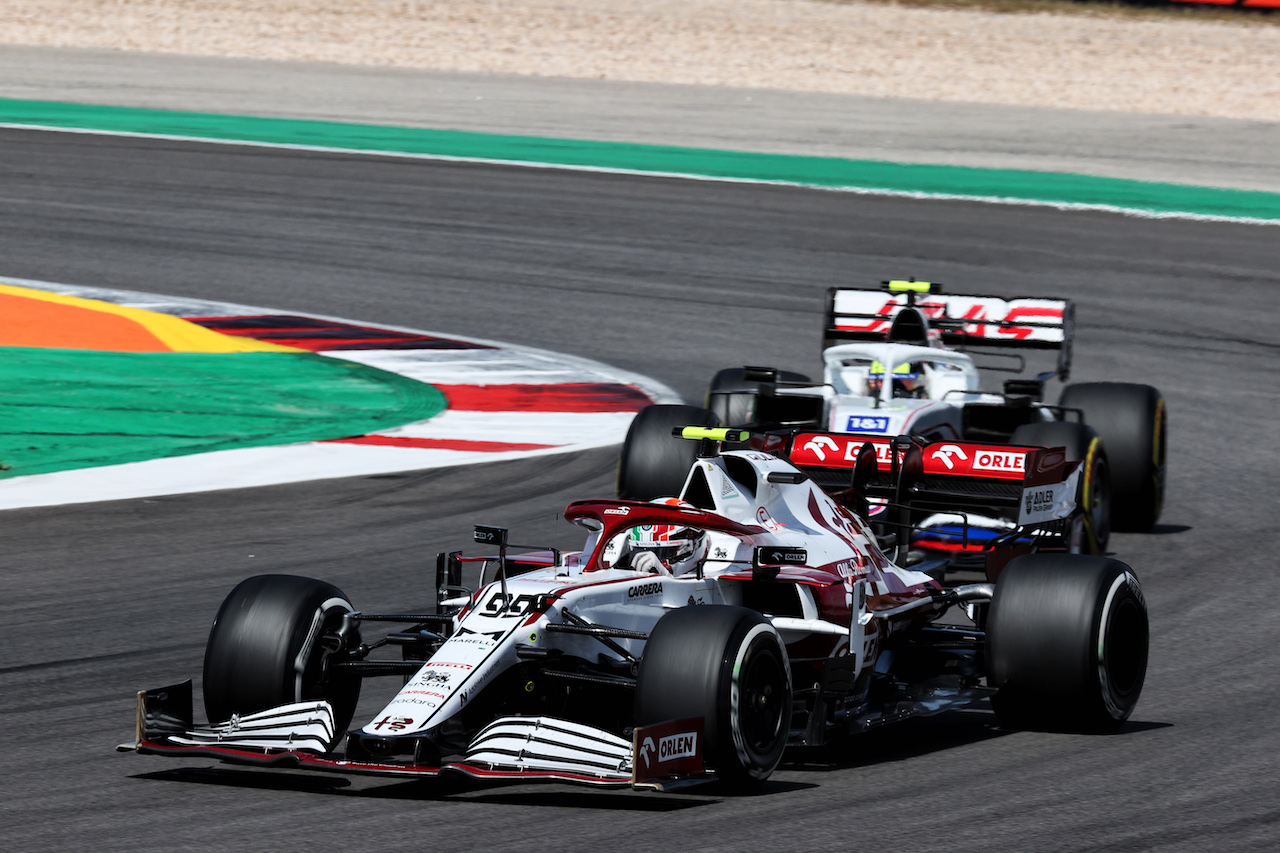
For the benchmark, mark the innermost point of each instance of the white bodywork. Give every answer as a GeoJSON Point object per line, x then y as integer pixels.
{"type": "Point", "coordinates": [798, 515]}
{"type": "Point", "coordinates": [948, 382]}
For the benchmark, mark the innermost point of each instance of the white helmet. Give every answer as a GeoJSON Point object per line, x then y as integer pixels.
{"type": "Point", "coordinates": [681, 549]}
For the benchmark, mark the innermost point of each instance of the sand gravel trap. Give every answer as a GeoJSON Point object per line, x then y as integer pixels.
{"type": "Point", "coordinates": [1065, 60]}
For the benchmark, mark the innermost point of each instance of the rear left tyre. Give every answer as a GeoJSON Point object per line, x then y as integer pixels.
{"type": "Point", "coordinates": [1067, 643]}
{"type": "Point", "coordinates": [1132, 422]}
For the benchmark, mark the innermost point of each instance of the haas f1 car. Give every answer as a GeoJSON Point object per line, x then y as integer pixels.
{"type": "Point", "coordinates": [779, 621]}
{"type": "Point", "coordinates": [909, 359]}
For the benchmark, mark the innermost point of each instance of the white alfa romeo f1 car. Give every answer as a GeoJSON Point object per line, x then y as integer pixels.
{"type": "Point", "coordinates": [910, 359]}
{"type": "Point", "coordinates": [692, 639]}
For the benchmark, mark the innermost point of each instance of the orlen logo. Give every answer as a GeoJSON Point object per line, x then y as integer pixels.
{"type": "Point", "coordinates": [994, 460]}
{"type": "Point", "coordinates": [677, 746]}
{"type": "Point", "coordinates": [945, 452]}
{"type": "Point", "coordinates": [852, 450]}
{"type": "Point", "coordinates": [820, 445]}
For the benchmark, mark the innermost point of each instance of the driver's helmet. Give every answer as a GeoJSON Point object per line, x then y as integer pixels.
{"type": "Point", "coordinates": [679, 548]}
{"type": "Point", "coordinates": [908, 379]}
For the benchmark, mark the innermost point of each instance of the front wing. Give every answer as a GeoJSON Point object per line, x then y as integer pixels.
{"type": "Point", "coordinates": [509, 749]}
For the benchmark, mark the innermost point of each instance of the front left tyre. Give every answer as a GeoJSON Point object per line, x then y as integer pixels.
{"type": "Point", "coordinates": [266, 648]}
{"type": "Point", "coordinates": [727, 666]}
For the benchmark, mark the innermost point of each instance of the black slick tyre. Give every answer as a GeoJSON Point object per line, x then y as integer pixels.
{"type": "Point", "coordinates": [728, 666]}
{"type": "Point", "coordinates": [1132, 422]}
{"type": "Point", "coordinates": [1095, 495]}
{"type": "Point", "coordinates": [265, 649]}
{"type": "Point", "coordinates": [654, 463]}
{"type": "Point", "coordinates": [1067, 642]}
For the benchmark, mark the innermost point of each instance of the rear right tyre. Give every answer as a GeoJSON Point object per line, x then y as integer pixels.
{"type": "Point", "coordinates": [1095, 494]}
{"type": "Point", "coordinates": [654, 463]}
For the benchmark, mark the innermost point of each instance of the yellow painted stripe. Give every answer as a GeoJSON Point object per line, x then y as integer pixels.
{"type": "Point", "coordinates": [173, 332]}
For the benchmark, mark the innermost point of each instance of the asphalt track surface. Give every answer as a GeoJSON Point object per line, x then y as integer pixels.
{"type": "Point", "coordinates": [673, 279]}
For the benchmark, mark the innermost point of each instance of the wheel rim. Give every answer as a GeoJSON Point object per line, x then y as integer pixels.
{"type": "Point", "coordinates": [1125, 649]}
{"type": "Point", "coordinates": [1100, 503]}
{"type": "Point", "coordinates": [1158, 461]}
{"type": "Point", "coordinates": [762, 691]}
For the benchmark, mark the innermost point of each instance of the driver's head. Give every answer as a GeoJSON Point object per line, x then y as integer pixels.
{"type": "Point", "coordinates": [908, 379]}
{"type": "Point", "coordinates": [679, 548]}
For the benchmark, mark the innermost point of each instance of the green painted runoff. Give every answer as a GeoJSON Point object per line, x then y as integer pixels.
{"type": "Point", "coordinates": [830, 172]}
{"type": "Point", "coordinates": [67, 409]}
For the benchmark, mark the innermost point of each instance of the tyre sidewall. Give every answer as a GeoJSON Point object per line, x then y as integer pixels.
{"type": "Point", "coordinates": [750, 760]}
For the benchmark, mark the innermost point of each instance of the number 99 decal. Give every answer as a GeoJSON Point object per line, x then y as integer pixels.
{"type": "Point", "coordinates": [518, 606]}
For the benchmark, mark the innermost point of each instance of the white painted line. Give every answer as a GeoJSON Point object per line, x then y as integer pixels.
{"type": "Point", "coordinates": [1138, 212]}
{"type": "Point", "coordinates": [238, 469]}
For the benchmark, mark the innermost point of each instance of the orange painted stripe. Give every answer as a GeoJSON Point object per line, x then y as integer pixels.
{"type": "Point", "coordinates": [26, 322]}
{"type": "Point", "coordinates": [38, 318]}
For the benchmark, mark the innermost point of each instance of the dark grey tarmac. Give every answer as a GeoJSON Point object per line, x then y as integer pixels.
{"type": "Point", "coordinates": [673, 279]}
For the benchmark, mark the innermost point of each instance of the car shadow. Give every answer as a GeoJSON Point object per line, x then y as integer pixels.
{"type": "Point", "coordinates": [1133, 727]}
{"type": "Point", "coordinates": [274, 780]}
{"type": "Point", "coordinates": [1167, 529]}
{"type": "Point", "coordinates": [910, 739]}
{"type": "Point", "coordinates": [457, 787]}
{"type": "Point", "coordinates": [920, 737]}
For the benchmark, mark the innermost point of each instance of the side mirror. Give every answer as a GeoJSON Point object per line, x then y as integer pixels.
{"type": "Point", "coordinates": [496, 536]}
{"type": "Point", "coordinates": [766, 559]}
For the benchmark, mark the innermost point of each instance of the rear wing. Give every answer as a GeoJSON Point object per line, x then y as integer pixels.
{"type": "Point", "coordinates": [960, 321]}
{"type": "Point", "coordinates": [1039, 483]}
